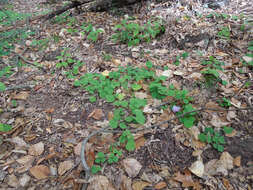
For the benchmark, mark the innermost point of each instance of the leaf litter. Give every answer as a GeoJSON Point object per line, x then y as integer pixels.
{"type": "Point", "coordinates": [57, 117]}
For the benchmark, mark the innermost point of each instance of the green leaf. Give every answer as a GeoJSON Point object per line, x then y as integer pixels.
{"type": "Point", "coordinates": [92, 99]}
{"type": "Point", "coordinates": [220, 148]}
{"type": "Point", "coordinates": [113, 123]}
{"type": "Point", "coordinates": [250, 48]}
{"type": "Point", "coordinates": [221, 140]}
{"type": "Point", "coordinates": [130, 146]}
{"type": "Point", "coordinates": [109, 98]}
{"type": "Point", "coordinates": [5, 127]}
{"type": "Point", "coordinates": [209, 138]}
{"type": "Point", "coordinates": [202, 137]}
{"type": "Point", "coordinates": [140, 118]}
{"type": "Point", "coordinates": [188, 121]}
{"type": "Point", "coordinates": [2, 87]}
{"type": "Point", "coordinates": [149, 64]}
{"type": "Point", "coordinates": [227, 130]}
{"type": "Point", "coordinates": [136, 87]}
{"type": "Point", "coordinates": [95, 169]}
{"type": "Point", "coordinates": [129, 119]}
{"type": "Point", "coordinates": [122, 125]}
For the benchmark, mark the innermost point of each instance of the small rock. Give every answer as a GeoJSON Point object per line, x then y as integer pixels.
{"type": "Point", "coordinates": [132, 167]}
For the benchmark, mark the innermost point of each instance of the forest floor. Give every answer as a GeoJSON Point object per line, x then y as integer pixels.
{"type": "Point", "coordinates": [175, 87]}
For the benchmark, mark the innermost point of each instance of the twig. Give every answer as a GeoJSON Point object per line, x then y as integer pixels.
{"type": "Point", "coordinates": [19, 87]}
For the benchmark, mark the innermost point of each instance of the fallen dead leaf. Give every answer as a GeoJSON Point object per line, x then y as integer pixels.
{"type": "Point", "coordinates": [217, 122]}
{"type": "Point", "coordinates": [132, 166]}
{"type": "Point", "coordinates": [125, 183]}
{"type": "Point", "coordinates": [186, 180]}
{"type": "Point", "coordinates": [65, 166]}
{"type": "Point", "coordinates": [40, 171]}
{"type": "Point", "coordinates": [25, 160]}
{"type": "Point", "coordinates": [226, 160]}
{"type": "Point", "coordinates": [226, 183]}
{"type": "Point", "coordinates": [21, 96]}
{"type": "Point", "coordinates": [139, 142]}
{"type": "Point", "coordinates": [160, 185]}
{"type": "Point", "coordinates": [13, 181]}
{"type": "Point", "coordinates": [96, 114]}
{"type": "Point", "coordinates": [100, 182]}
{"type": "Point", "coordinates": [237, 161]}
{"type": "Point", "coordinates": [36, 149]}
{"type": "Point", "coordinates": [140, 185]}
{"type": "Point", "coordinates": [24, 180]}
{"type": "Point", "coordinates": [197, 168]}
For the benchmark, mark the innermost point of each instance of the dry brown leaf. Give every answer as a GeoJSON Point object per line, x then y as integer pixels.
{"type": "Point", "coordinates": [90, 156]}
{"type": "Point", "coordinates": [126, 183]}
{"type": "Point", "coordinates": [197, 168]}
{"type": "Point", "coordinates": [140, 185]}
{"type": "Point", "coordinates": [226, 160]}
{"type": "Point", "coordinates": [212, 105]}
{"type": "Point", "coordinates": [13, 181]}
{"type": "Point", "coordinates": [96, 114]}
{"type": "Point", "coordinates": [186, 180]}
{"type": "Point", "coordinates": [100, 183]}
{"type": "Point", "coordinates": [21, 96]}
{"type": "Point", "coordinates": [40, 171]}
{"type": "Point", "coordinates": [237, 161]}
{"type": "Point", "coordinates": [226, 183]}
{"type": "Point", "coordinates": [65, 166]}
{"type": "Point", "coordinates": [132, 166]}
{"type": "Point", "coordinates": [217, 122]}
{"type": "Point", "coordinates": [25, 160]}
{"type": "Point", "coordinates": [160, 185]}
{"type": "Point", "coordinates": [49, 110]}
{"type": "Point", "coordinates": [139, 142]}
{"type": "Point", "coordinates": [36, 149]}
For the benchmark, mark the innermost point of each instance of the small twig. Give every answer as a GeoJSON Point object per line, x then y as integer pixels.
{"type": "Point", "coordinates": [19, 87]}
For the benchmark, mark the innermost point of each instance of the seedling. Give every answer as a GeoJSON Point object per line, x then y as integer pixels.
{"type": "Point", "coordinates": [224, 33]}
{"type": "Point", "coordinates": [225, 103]}
{"type": "Point", "coordinates": [133, 33]}
{"type": "Point", "coordinates": [215, 138]}
{"type": "Point", "coordinates": [92, 33]}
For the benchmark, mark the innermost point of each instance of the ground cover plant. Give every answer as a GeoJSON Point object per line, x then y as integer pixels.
{"type": "Point", "coordinates": [146, 96]}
